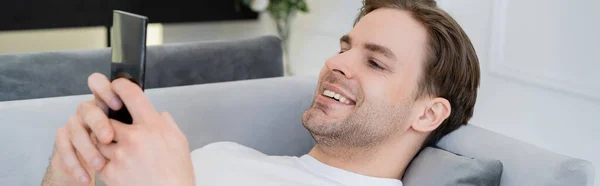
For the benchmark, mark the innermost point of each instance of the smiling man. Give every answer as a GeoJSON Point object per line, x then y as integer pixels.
{"type": "Point", "coordinates": [405, 76]}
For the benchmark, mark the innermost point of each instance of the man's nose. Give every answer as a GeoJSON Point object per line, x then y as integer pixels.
{"type": "Point", "coordinates": [341, 64]}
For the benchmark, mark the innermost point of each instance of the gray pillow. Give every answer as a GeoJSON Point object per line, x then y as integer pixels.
{"type": "Point", "coordinates": [436, 167]}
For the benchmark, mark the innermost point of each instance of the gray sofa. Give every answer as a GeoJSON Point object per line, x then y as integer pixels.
{"type": "Point", "coordinates": [263, 114]}
{"type": "Point", "coordinates": [63, 73]}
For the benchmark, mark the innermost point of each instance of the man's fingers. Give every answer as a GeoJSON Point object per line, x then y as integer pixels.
{"type": "Point", "coordinates": [120, 130]}
{"type": "Point", "coordinates": [108, 173]}
{"type": "Point", "coordinates": [65, 150]}
{"type": "Point", "coordinates": [82, 142]}
{"type": "Point", "coordinates": [134, 99]}
{"type": "Point", "coordinates": [101, 88]}
{"type": "Point", "coordinates": [101, 105]}
{"type": "Point", "coordinates": [108, 151]}
{"type": "Point", "coordinates": [95, 118]}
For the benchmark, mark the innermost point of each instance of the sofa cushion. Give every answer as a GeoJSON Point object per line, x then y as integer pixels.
{"type": "Point", "coordinates": [51, 74]}
{"type": "Point", "coordinates": [434, 167]}
{"type": "Point", "coordinates": [524, 164]}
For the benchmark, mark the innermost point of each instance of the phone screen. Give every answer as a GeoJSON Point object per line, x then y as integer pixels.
{"type": "Point", "coordinates": [128, 47]}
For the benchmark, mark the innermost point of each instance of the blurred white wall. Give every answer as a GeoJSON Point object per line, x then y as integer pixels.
{"type": "Point", "coordinates": [82, 38]}
{"type": "Point", "coordinates": [314, 38]}
{"type": "Point", "coordinates": [539, 62]}
{"type": "Point", "coordinates": [52, 39]}
{"type": "Point", "coordinates": [218, 30]}
{"type": "Point", "coordinates": [316, 35]}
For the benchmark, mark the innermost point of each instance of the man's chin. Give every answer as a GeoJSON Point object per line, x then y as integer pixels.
{"type": "Point", "coordinates": [318, 120]}
{"type": "Point", "coordinates": [331, 111]}
{"type": "Point", "coordinates": [327, 114]}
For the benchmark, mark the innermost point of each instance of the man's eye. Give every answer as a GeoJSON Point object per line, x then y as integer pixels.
{"type": "Point", "coordinates": [374, 65]}
{"type": "Point", "coordinates": [341, 51]}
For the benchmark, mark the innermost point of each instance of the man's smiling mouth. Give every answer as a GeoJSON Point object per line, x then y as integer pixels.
{"type": "Point", "coordinates": [336, 96]}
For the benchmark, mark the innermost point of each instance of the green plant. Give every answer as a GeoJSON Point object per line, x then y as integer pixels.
{"type": "Point", "coordinates": [282, 12]}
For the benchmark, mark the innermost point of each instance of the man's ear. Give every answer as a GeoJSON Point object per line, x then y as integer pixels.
{"type": "Point", "coordinates": [434, 113]}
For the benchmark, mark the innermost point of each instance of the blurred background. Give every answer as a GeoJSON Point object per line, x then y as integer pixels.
{"type": "Point", "coordinates": [539, 59]}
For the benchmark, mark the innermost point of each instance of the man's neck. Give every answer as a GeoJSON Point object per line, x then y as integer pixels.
{"type": "Point", "coordinates": [387, 160]}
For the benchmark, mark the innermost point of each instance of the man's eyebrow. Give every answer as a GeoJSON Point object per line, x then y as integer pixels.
{"type": "Point", "coordinates": [380, 49]}
{"type": "Point", "coordinates": [346, 39]}
{"type": "Point", "coordinates": [371, 47]}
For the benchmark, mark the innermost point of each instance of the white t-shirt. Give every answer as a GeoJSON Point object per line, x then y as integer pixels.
{"type": "Point", "coordinates": [231, 164]}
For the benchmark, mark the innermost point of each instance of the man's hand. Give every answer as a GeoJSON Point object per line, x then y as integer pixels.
{"type": "Point", "coordinates": [151, 151]}
{"type": "Point", "coordinates": [75, 155]}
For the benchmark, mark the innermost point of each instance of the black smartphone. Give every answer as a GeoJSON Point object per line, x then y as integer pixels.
{"type": "Point", "coordinates": [128, 46]}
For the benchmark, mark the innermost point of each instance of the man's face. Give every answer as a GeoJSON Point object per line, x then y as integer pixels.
{"type": "Point", "coordinates": [375, 75]}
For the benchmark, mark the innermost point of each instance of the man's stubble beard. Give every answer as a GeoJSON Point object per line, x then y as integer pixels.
{"type": "Point", "coordinates": [364, 128]}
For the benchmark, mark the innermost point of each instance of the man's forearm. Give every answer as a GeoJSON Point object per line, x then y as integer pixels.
{"type": "Point", "coordinates": [50, 179]}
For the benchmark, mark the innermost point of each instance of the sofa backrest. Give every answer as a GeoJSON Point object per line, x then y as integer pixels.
{"type": "Point", "coordinates": [524, 164]}
{"type": "Point", "coordinates": [63, 73]}
{"type": "Point", "coordinates": [263, 114]}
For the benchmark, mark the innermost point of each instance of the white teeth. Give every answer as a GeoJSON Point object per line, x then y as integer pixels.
{"type": "Point", "coordinates": [336, 96]}
{"type": "Point", "coordinates": [326, 93]}
{"type": "Point", "coordinates": [330, 94]}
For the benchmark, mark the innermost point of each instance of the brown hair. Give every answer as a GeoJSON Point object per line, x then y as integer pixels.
{"type": "Point", "coordinates": [451, 69]}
